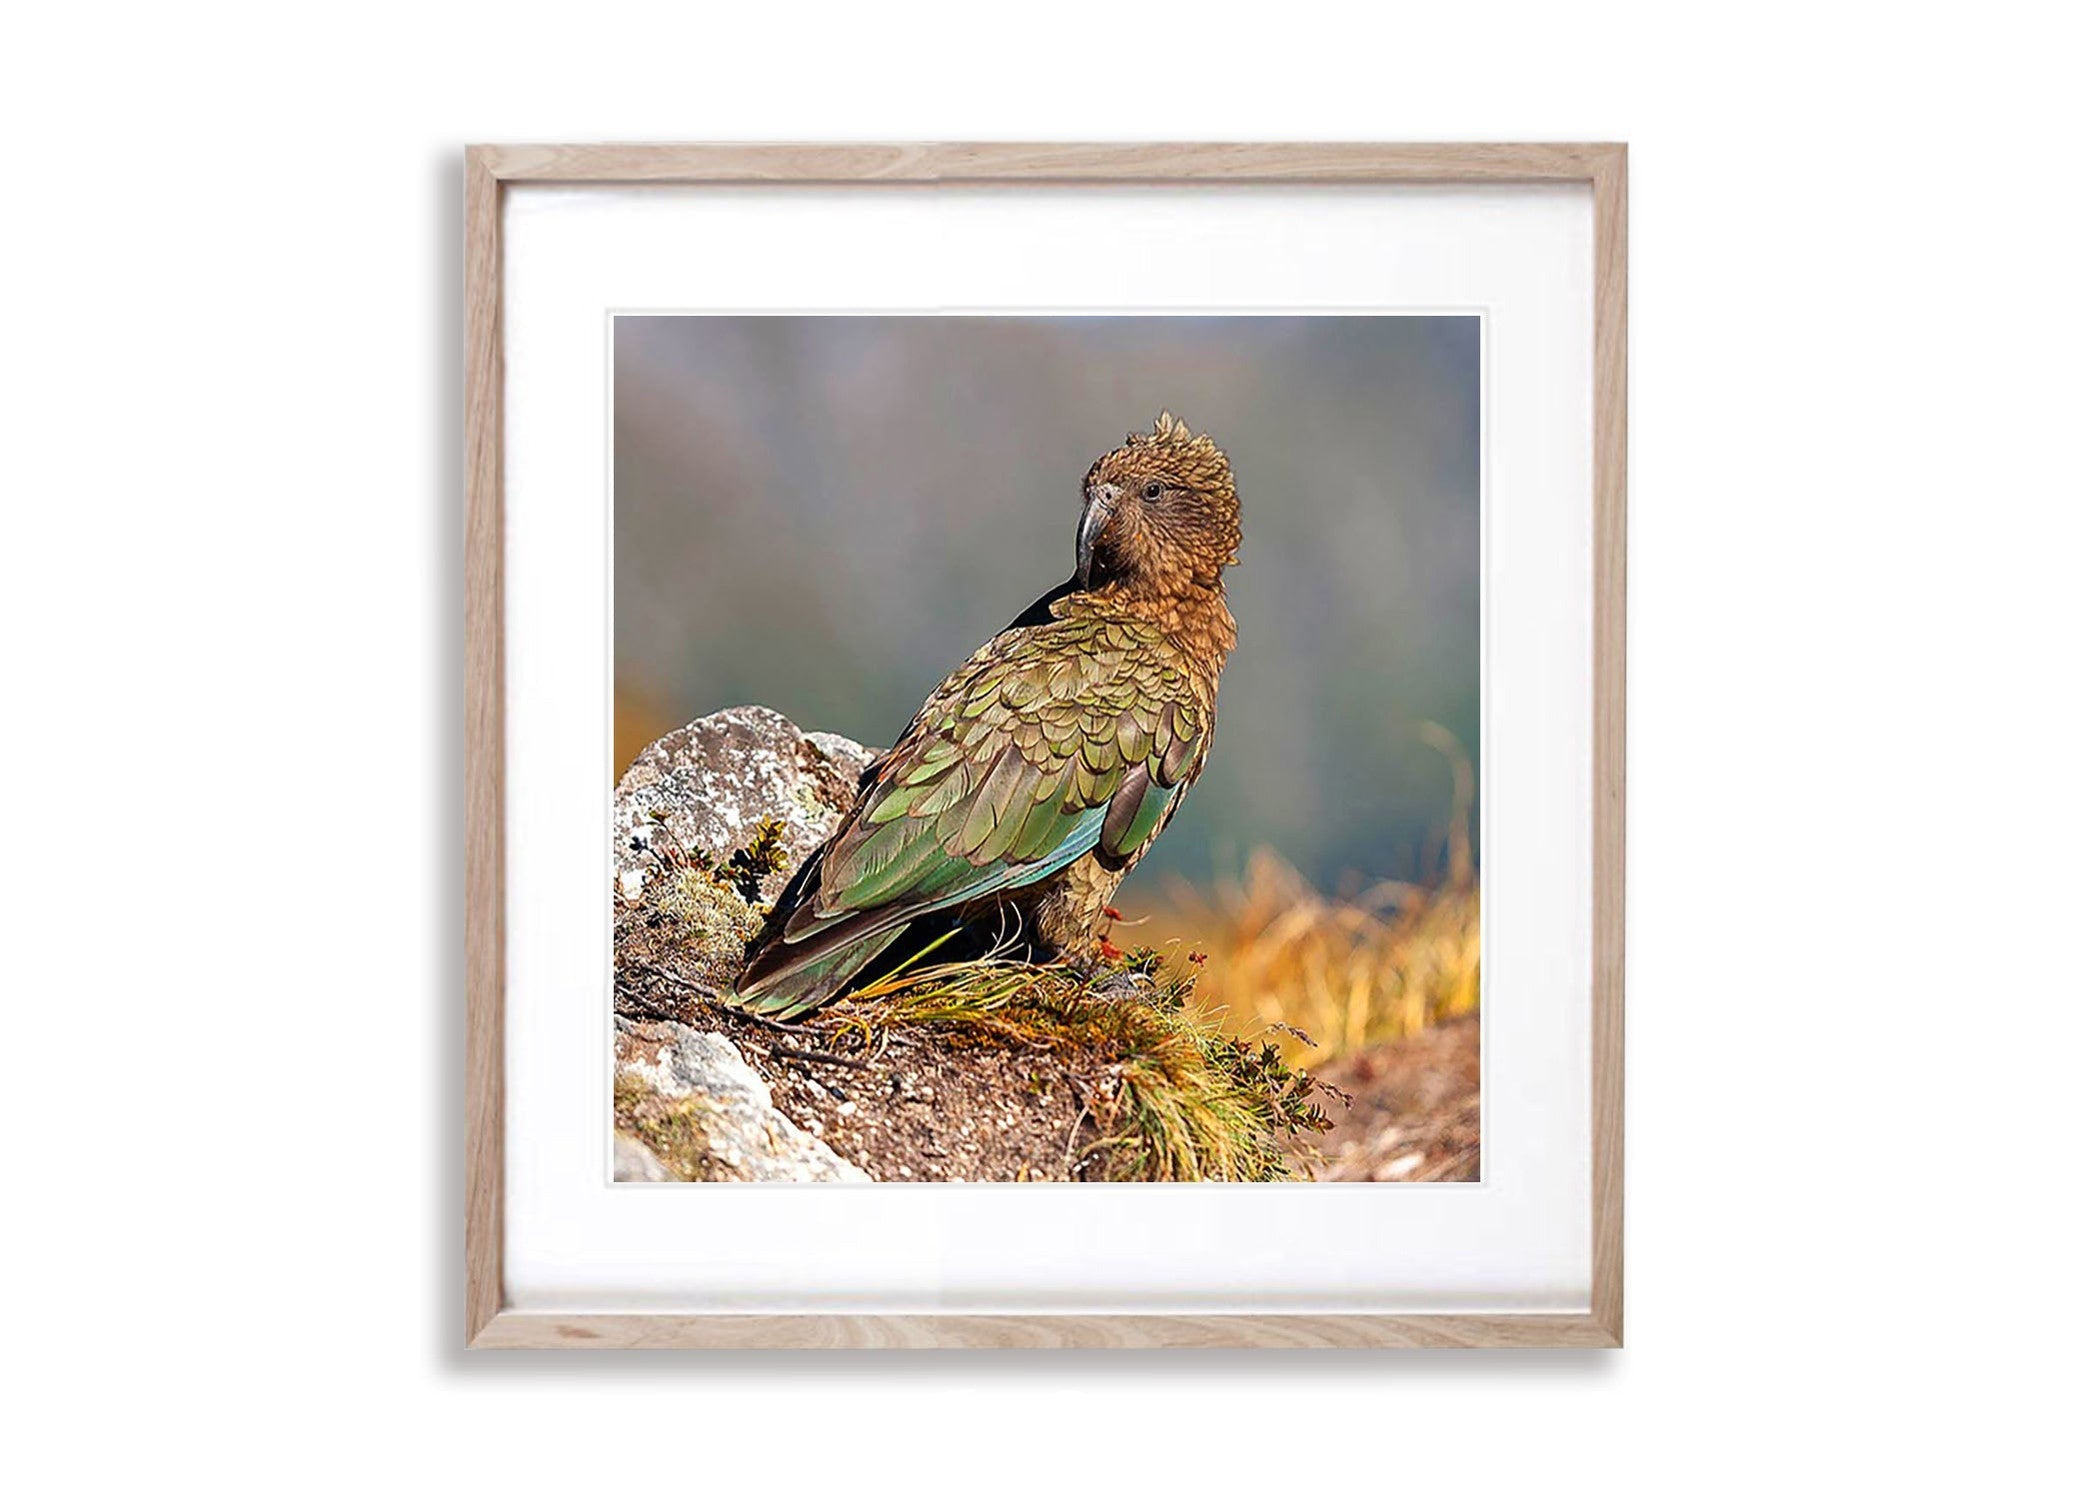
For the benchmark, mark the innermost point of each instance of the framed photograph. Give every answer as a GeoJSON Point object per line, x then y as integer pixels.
{"type": "Point", "coordinates": [1045, 745]}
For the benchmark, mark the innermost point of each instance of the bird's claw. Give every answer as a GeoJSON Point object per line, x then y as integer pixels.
{"type": "Point", "coordinates": [1116, 983]}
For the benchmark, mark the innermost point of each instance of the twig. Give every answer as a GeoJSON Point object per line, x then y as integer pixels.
{"type": "Point", "coordinates": [703, 990]}
{"type": "Point", "coordinates": [649, 1004]}
{"type": "Point", "coordinates": [820, 1056]}
{"type": "Point", "coordinates": [765, 1020]}
{"type": "Point", "coordinates": [1071, 1165]}
{"type": "Point", "coordinates": [713, 997]}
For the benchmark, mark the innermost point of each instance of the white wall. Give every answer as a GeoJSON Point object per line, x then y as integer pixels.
{"type": "Point", "coordinates": [1862, 740]}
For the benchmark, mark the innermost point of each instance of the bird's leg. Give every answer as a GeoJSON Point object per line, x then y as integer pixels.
{"type": "Point", "coordinates": [1097, 962]}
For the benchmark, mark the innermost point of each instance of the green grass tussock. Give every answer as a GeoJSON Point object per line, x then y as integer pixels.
{"type": "Point", "coordinates": [1191, 1101]}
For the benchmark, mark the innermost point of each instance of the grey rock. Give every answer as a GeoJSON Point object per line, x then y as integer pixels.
{"type": "Point", "coordinates": [633, 1161]}
{"type": "Point", "coordinates": [710, 784]}
{"type": "Point", "coordinates": [722, 1110]}
{"type": "Point", "coordinates": [700, 1111]}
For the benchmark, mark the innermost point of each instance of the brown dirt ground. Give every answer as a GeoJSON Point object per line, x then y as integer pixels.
{"type": "Point", "coordinates": [924, 1106]}
{"type": "Point", "coordinates": [920, 1107]}
{"type": "Point", "coordinates": [1416, 1110]}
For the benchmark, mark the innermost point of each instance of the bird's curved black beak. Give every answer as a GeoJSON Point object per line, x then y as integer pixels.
{"type": "Point", "coordinates": [1100, 503]}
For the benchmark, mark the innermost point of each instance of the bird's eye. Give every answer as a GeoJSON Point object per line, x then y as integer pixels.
{"type": "Point", "coordinates": [1151, 490]}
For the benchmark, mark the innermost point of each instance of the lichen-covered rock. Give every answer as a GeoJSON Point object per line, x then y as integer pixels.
{"type": "Point", "coordinates": [690, 920]}
{"type": "Point", "coordinates": [709, 786]}
{"type": "Point", "coordinates": [695, 1105]}
{"type": "Point", "coordinates": [708, 824]}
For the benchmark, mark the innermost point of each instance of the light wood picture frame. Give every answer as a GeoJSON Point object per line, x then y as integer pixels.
{"type": "Point", "coordinates": [490, 171]}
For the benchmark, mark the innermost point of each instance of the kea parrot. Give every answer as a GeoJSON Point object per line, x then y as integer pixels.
{"type": "Point", "coordinates": [1043, 768]}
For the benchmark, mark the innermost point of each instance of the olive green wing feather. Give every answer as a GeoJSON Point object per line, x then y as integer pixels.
{"type": "Point", "coordinates": [1052, 742]}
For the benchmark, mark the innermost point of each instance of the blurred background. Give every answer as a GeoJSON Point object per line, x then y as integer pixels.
{"type": "Point", "coordinates": [828, 514]}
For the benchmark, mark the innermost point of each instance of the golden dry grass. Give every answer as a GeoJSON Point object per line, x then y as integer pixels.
{"type": "Point", "coordinates": [1348, 972]}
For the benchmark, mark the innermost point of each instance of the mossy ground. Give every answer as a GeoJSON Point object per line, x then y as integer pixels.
{"type": "Point", "coordinates": [998, 1071]}
{"type": "Point", "coordinates": [1190, 1102]}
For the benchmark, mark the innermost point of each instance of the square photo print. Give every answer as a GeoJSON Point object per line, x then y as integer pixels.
{"type": "Point", "coordinates": [1046, 748]}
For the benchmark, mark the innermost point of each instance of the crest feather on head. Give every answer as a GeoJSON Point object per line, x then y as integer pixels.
{"type": "Point", "coordinates": [1168, 428]}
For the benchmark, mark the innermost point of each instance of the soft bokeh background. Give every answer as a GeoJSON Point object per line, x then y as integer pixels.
{"type": "Point", "coordinates": [827, 514]}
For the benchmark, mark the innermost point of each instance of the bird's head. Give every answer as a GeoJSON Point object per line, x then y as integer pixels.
{"type": "Point", "coordinates": [1161, 514]}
